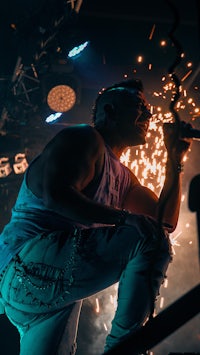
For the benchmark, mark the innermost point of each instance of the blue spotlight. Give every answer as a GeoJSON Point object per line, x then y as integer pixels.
{"type": "Point", "coordinates": [77, 50]}
{"type": "Point", "coordinates": [53, 117]}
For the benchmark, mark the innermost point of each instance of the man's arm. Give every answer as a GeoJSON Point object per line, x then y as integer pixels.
{"type": "Point", "coordinates": [168, 207]}
{"type": "Point", "coordinates": [142, 200]}
{"type": "Point", "coordinates": [170, 195]}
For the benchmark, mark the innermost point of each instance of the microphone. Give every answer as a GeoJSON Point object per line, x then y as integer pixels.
{"type": "Point", "coordinates": [188, 132]}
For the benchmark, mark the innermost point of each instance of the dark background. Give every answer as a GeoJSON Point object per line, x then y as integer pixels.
{"type": "Point", "coordinates": [118, 32]}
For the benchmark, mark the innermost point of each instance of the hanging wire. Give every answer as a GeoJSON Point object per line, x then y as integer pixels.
{"type": "Point", "coordinates": [177, 61]}
{"type": "Point", "coordinates": [176, 94]}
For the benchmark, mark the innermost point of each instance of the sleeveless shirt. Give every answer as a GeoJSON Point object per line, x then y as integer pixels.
{"type": "Point", "coordinates": [31, 217]}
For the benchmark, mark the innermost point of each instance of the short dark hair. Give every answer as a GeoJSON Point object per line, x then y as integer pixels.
{"type": "Point", "coordinates": [124, 84]}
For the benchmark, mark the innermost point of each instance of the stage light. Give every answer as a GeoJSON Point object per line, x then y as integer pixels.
{"type": "Point", "coordinates": [20, 164]}
{"type": "Point", "coordinates": [74, 52]}
{"type": "Point", "coordinates": [61, 98]}
{"type": "Point", "coordinates": [53, 117]}
{"type": "Point", "coordinates": [60, 91]}
{"type": "Point", "coordinates": [5, 168]}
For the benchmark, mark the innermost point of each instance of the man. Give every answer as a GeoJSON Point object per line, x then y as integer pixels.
{"type": "Point", "coordinates": [82, 222]}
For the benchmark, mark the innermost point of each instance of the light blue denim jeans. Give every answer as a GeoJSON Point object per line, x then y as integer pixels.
{"type": "Point", "coordinates": [43, 287]}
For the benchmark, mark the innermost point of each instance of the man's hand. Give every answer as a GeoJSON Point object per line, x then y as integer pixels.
{"type": "Point", "coordinates": [176, 146]}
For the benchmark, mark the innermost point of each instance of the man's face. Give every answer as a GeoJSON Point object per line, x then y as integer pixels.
{"type": "Point", "coordinates": [133, 121]}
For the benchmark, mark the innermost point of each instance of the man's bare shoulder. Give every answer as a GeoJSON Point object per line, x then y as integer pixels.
{"type": "Point", "coordinates": [81, 128]}
{"type": "Point", "coordinates": [74, 155]}
{"type": "Point", "coordinates": [75, 137]}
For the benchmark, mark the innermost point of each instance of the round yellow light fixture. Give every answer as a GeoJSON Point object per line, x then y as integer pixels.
{"type": "Point", "coordinates": [61, 98]}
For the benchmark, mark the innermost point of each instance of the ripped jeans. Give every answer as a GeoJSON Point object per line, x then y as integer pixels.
{"type": "Point", "coordinates": [43, 286]}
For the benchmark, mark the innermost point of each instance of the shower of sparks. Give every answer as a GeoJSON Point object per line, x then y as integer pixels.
{"type": "Point", "coordinates": [148, 161]}
{"type": "Point", "coordinates": [161, 302]}
{"type": "Point", "coordinates": [174, 242]}
{"type": "Point", "coordinates": [186, 75]}
{"type": "Point", "coordinates": [152, 32]}
{"type": "Point", "coordinates": [97, 306]}
{"type": "Point", "coordinates": [105, 327]}
{"type": "Point", "coordinates": [165, 283]}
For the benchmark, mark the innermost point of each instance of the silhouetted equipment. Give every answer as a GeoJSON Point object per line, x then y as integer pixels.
{"type": "Point", "coordinates": [194, 202]}
{"type": "Point", "coordinates": [194, 194]}
{"type": "Point", "coordinates": [164, 324]}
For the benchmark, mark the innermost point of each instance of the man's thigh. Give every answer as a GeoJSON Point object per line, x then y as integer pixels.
{"type": "Point", "coordinates": [47, 334]}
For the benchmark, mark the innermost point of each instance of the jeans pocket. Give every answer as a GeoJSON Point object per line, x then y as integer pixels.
{"type": "Point", "coordinates": [39, 285]}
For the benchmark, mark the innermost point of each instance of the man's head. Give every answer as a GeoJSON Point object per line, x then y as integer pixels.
{"type": "Point", "coordinates": [122, 108]}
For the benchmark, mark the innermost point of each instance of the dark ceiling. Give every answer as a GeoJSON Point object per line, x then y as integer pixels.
{"type": "Point", "coordinates": [118, 31]}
